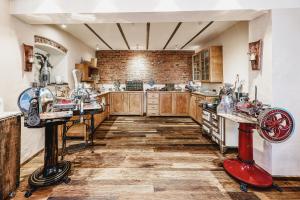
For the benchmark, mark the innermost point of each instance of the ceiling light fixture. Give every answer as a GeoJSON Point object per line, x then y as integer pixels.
{"type": "Point", "coordinates": [97, 47]}
{"type": "Point", "coordinates": [64, 26]}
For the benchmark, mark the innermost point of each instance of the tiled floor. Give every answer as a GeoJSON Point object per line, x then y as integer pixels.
{"type": "Point", "coordinates": [144, 158]}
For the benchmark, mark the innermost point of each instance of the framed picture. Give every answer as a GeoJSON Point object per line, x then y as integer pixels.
{"type": "Point", "coordinates": [255, 54]}
{"type": "Point", "coordinates": [28, 57]}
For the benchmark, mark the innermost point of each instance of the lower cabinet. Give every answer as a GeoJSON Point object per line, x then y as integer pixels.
{"type": "Point", "coordinates": [10, 146]}
{"type": "Point", "coordinates": [174, 103]}
{"type": "Point", "coordinates": [196, 109]}
{"type": "Point", "coordinates": [126, 103]}
{"type": "Point", "coordinates": [166, 104]}
{"type": "Point", "coordinates": [99, 118]}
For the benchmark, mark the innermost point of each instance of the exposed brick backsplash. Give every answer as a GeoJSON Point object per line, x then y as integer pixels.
{"type": "Point", "coordinates": [161, 66]}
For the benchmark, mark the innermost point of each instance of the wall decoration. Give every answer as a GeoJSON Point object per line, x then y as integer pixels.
{"type": "Point", "coordinates": [255, 54]}
{"type": "Point", "coordinates": [28, 57]}
{"type": "Point", "coordinates": [49, 42]}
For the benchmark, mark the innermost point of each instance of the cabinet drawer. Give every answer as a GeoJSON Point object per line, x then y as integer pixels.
{"type": "Point", "coordinates": [152, 112]}
{"type": "Point", "coordinates": [152, 95]}
{"type": "Point", "coordinates": [152, 101]}
{"type": "Point", "coordinates": [152, 107]}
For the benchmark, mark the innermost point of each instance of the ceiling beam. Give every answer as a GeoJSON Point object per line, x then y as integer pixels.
{"type": "Point", "coordinates": [203, 29]}
{"type": "Point", "coordinates": [123, 35]}
{"type": "Point", "coordinates": [172, 35]}
{"type": "Point", "coordinates": [147, 35]}
{"type": "Point", "coordinates": [98, 36]}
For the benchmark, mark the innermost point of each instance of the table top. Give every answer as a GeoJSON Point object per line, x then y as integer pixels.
{"type": "Point", "coordinates": [239, 118]}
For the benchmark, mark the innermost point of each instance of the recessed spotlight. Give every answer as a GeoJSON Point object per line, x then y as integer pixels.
{"type": "Point", "coordinates": [97, 47]}
{"type": "Point", "coordinates": [64, 26]}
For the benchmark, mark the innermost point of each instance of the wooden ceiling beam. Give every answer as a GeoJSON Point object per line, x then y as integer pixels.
{"type": "Point", "coordinates": [172, 35]}
{"type": "Point", "coordinates": [98, 36]}
{"type": "Point", "coordinates": [123, 35]}
{"type": "Point", "coordinates": [201, 31]}
{"type": "Point", "coordinates": [147, 35]}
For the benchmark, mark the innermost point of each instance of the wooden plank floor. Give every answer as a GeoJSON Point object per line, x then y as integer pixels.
{"type": "Point", "coordinates": [140, 158]}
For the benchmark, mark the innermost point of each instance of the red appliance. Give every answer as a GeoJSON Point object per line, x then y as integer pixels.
{"type": "Point", "coordinates": [274, 125]}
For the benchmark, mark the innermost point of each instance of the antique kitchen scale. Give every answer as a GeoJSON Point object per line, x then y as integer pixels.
{"type": "Point", "coordinates": [275, 125]}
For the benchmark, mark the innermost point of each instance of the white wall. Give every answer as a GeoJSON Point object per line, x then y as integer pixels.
{"type": "Point", "coordinates": [235, 59]}
{"type": "Point", "coordinates": [13, 80]}
{"type": "Point", "coordinates": [285, 86]}
{"type": "Point", "coordinates": [261, 28]}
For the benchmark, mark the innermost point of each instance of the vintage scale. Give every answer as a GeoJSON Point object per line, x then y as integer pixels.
{"type": "Point", "coordinates": [273, 124]}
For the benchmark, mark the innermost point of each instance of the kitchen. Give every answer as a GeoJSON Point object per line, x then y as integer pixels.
{"type": "Point", "coordinates": [141, 100]}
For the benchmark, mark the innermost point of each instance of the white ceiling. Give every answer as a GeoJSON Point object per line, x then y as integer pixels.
{"type": "Point", "coordinates": [135, 34]}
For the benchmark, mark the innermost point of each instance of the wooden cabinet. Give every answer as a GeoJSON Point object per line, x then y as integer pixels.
{"type": "Point", "coordinates": [181, 103]}
{"type": "Point", "coordinates": [99, 118]}
{"type": "Point", "coordinates": [135, 103]}
{"type": "Point", "coordinates": [196, 67]}
{"type": "Point", "coordinates": [174, 103]}
{"type": "Point", "coordinates": [193, 105]}
{"type": "Point", "coordinates": [87, 71]}
{"type": "Point", "coordinates": [208, 65]}
{"type": "Point", "coordinates": [152, 104]}
{"type": "Point", "coordinates": [211, 62]}
{"type": "Point", "coordinates": [118, 104]}
{"type": "Point", "coordinates": [126, 103]}
{"type": "Point", "coordinates": [196, 108]}
{"type": "Point", "coordinates": [166, 104]}
{"type": "Point", "coordinates": [10, 140]}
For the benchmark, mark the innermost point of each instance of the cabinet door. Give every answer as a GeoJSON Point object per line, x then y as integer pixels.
{"type": "Point", "coordinates": [199, 110]}
{"type": "Point", "coordinates": [135, 103]}
{"type": "Point", "coordinates": [165, 104]}
{"type": "Point", "coordinates": [193, 106]}
{"type": "Point", "coordinates": [10, 140]}
{"type": "Point", "coordinates": [182, 103]}
{"type": "Point", "coordinates": [118, 103]}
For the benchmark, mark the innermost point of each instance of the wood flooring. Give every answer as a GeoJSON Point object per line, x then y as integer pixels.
{"type": "Point", "coordinates": [157, 158]}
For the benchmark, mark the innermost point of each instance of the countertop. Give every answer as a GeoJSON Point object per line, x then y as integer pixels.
{"type": "Point", "coordinates": [159, 91]}
{"type": "Point", "coordinates": [128, 91]}
{"type": "Point", "coordinates": [206, 94]}
{"type": "Point", "coordinates": [239, 118]}
{"type": "Point", "coordinates": [168, 91]}
{"type": "Point", "coordinates": [5, 115]}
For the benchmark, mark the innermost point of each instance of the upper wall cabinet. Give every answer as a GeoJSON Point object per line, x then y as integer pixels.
{"type": "Point", "coordinates": [208, 65]}
{"type": "Point", "coordinates": [196, 67]}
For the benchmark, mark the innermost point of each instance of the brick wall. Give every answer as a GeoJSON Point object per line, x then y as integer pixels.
{"type": "Point", "coordinates": [161, 66]}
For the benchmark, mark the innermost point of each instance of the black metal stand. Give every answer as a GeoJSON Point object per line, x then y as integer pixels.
{"type": "Point", "coordinates": [91, 131]}
{"type": "Point", "coordinates": [53, 172]}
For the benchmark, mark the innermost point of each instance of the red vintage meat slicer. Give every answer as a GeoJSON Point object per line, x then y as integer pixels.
{"type": "Point", "coordinates": [274, 125]}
